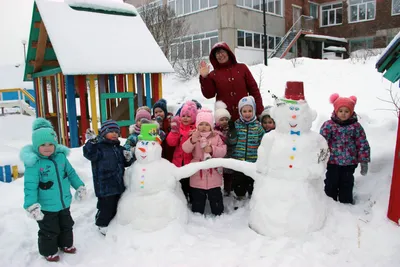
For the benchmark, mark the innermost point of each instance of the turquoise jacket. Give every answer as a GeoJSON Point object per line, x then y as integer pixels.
{"type": "Point", "coordinates": [48, 180]}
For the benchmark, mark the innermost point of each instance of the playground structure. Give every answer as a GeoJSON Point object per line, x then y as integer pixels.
{"type": "Point", "coordinates": [8, 173]}
{"type": "Point", "coordinates": [22, 96]}
{"type": "Point", "coordinates": [75, 66]}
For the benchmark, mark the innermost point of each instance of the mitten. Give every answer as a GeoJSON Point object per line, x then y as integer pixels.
{"type": "Point", "coordinates": [128, 155]}
{"type": "Point", "coordinates": [232, 130]}
{"type": "Point", "coordinates": [90, 134]}
{"type": "Point", "coordinates": [35, 212]}
{"type": "Point", "coordinates": [364, 168]}
{"type": "Point", "coordinates": [175, 123]}
{"type": "Point", "coordinates": [80, 193]}
{"type": "Point", "coordinates": [195, 137]}
{"type": "Point", "coordinates": [159, 120]}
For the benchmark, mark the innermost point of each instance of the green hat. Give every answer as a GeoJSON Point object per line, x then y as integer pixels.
{"type": "Point", "coordinates": [42, 133]}
{"type": "Point", "coordinates": [149, 132]}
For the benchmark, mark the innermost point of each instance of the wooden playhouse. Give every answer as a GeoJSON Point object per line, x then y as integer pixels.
{"type": "Point", "coordinates": [89, 63]}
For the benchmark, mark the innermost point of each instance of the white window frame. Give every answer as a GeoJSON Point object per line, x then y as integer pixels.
{"type": "Point", "coordinates": [363, 3]}
{"type": "Point", "coordinates": [276, 42]}
{"type": "Point", "coordinates": [207, 7]}
{"type": "Point", "coordinates": [321, 12]}
{"type": "Point", "coordinates": [317, 9]}
{"type": "Point", "coordinates": [395, 14]}
{"type": "Point", "coordinates": [242, 4]}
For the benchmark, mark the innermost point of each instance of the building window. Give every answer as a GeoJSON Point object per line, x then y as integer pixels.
{"type": "Point", "coordinates": [395, 7]}
{"type": "Point", "coordinates": [357, 44]}
{"type": "Point", "coordinates": [184, 7]}
{"type": "Point", "coordinates": [361, 10]}
{"type": "Point", "coordinates": [331, 14]}
{"type": "Point", "coordinates": [256, 40]}
{"type": "Point", "coordinates": [272, 6]}
{"type": "Point", "coordinates": [313, 10]}
{"type": "Point", "coordinates": [193, 46]}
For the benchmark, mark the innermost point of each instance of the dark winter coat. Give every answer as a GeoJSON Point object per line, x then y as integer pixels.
{"type": "Point", "coordinates": [230, 82]}
{"type": "Point", "coordinates": [347, 141]}
{"type": "Point", "coordinates": [108, 166]}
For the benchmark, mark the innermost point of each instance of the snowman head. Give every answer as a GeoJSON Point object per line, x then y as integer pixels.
{"type": "Point", "coordinates": [148, 148]}
{"type": "Point", "coordinates": [292, 113]}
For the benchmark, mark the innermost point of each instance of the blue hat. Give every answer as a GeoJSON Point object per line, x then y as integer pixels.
{"type": "Point", "coordinates": [108, 127]}
{"type": "Point", "coordinates": [162, 104]}
{"type": "Point", "coordinates": [42, 133]}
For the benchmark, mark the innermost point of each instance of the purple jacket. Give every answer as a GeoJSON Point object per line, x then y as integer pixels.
{"type": "Point", "coordinates": [347, 141]}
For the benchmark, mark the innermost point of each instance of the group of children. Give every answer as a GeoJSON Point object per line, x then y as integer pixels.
{"type": "Point", "coordinates": [194, 134]}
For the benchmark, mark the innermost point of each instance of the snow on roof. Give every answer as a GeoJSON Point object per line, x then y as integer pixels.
{"type": "Point", "coordinates": [335, 49]}
{"type": "Point", "coordinates": [12, 76]}
{"type": "Point", "coordinates": [95, 43]}
{"type": "Point", "coordinates": [317, 36]}
{"type": "Point", "coordinates": [397, 37]}
{"type": "Point", "coordinates": [104, 5]}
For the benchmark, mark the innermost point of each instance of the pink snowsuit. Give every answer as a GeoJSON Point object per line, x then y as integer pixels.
{"type": "Point", "coordinates": [176, 140]}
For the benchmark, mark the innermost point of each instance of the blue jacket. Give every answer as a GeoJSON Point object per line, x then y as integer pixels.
{"type": "Point", "coordinates": [108, 166]}
{"type": "Point", "coordinates": [48, 179]}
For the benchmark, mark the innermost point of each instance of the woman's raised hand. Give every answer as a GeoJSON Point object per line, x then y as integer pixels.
{"type": "Point", "coordinates": [204, 69]}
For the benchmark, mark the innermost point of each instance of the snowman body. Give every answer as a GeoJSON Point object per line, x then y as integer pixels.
{"type": "Point", "coordinates": [288, 199]}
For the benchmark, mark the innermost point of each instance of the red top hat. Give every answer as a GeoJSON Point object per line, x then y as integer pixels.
{"type": "Point", "coordinates": [294, 91]}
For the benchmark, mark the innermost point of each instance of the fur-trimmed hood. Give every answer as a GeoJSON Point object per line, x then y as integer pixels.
{"type": "Point", "coordinates": [29, 156]}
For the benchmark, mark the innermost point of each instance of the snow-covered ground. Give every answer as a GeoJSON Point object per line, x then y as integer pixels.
{"type": "Point", "coordinates": [359, 235]}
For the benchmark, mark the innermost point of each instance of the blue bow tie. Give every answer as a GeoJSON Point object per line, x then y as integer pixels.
{"type": "Point", "coordinates": [294, 132]}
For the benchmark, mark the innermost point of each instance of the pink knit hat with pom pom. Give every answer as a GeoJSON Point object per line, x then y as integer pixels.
{"type": "Point", "coordinates": [338, 102]}
{"type": "Point", "coordinates": [204, 115]}
{"type": "Point", "coordinates": [189, 109]}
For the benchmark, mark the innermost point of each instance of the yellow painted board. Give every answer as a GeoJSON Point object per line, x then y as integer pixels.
{"type": "Point", "coordinates": [160, 85]}
{"type": "Point", "coordinates": [93, 105]}
{"type": "Point", "coordinates": [39, 98]}
{"type": "Point", "coordinates": [131, 84]}
{"type": "Point", "coordinates": [15, 172]}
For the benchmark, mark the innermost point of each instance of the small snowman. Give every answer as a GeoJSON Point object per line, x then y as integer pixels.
{"type": "Point", "coordinates": [153, 198]}
{"type": "Point", "coordinates": [289, 198]}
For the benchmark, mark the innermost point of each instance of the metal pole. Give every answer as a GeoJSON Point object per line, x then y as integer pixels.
{"type": "Point", "coordinates": [24, 44]}
{"type": "Point", "coordinates": [265, 36]}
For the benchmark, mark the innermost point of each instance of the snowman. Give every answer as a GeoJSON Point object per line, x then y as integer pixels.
{"type": "Point", "coordinates": [153, 198]}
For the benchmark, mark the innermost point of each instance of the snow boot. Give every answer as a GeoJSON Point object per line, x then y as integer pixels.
{"type": "Point", "coordinates": [70, 250]}
{"type": "Point", "coordinates": [103, 230]}
{"type": "Point", "coordinates": [53, 258]}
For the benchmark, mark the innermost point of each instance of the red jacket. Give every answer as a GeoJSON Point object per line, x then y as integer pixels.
{"type": "Point", "coordinates": [176, 140]}
{"type": "Point", "coordinates": [230, 82]}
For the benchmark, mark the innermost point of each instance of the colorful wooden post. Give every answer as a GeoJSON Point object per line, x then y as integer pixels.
{"type": "Point", "coordinates": [82, 102]}
{"type": "Point", "coordinates": [148, 90]}
{"type": "Point", "coordinates": [394, 199]}
{"type": "Point", "coordinates": [71, 111]}
{"type": "Point", "coordinates": [139, 89]}
{"type": "Point", "coordinates": [93, 106]}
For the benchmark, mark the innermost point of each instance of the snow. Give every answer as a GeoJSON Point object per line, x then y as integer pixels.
{"type": "Point", "coordinates": [11, 76]}
{"type": "Point", "coordinates": [104, 5]}
{"type": "Point", "coordinates": [95, 43]}
{"type": "Point", "coordinates": [317, 36]}
{"type": "Point", "coordinates": [352, 236]}
{"type": "Point", "coordinates": [335, 48]}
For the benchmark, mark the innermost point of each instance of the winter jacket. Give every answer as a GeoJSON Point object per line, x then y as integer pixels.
{"type": "Point", "coordinates": [176, 140]}
{"type": "Point", "coordinates": [230, 82]}
{"type": "Point", "coordinates": [347, 141]}
{"type": "Point", "coordinates": [108, 165]}
{"type": "Point", "coordinates": [167, 150]}
{"type": "Point", "coordinates": [48, 180]}
{"type": "Point", "coordinates": [249, 135]}
{"type": "Point", "coordinates": [210, 178]}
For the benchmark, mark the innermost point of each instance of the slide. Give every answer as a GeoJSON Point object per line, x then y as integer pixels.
{"type": "Point", "coordinates": [18, 104]}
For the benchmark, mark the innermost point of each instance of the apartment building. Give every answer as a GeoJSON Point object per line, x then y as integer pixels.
{"type": "Point", "coordinates": [237, 22]}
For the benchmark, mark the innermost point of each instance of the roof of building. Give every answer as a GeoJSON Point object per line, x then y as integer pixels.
{"type": "Point", "coordinates": [91, 37]}
{"type": "Point", "coordinates": [389, 61]}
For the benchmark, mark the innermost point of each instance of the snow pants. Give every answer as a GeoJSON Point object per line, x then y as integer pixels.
{"type": "Point", "coordinates": [339, 182]}
{"type": "Point", "coordinates": [55, 230]}
{"type": "Point", "coordinates": [242, 184]}
{"type": "Point", "coordinates": [107, 209]}
{"type": "Point", "coordinates": [214, 195]}
{"type": "Point", "coordinates": [185, 183]}
{"type": "Point", "coordinates": [228, 179]}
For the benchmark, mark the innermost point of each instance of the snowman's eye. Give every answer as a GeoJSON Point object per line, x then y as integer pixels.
{"type": "Point", "coordinates": [297, 108]}
{"type": "Point", "coordinates": [146, 143]}
{"type": "Point", "coordinates": [291, 108]}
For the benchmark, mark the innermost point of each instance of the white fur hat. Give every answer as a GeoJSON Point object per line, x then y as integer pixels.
{"type": "Point", "coordinates": [221, 111]}
{"type": "Point", "coordinates": [266, 111]}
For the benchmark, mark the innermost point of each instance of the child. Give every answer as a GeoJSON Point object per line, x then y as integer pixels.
{"type": "Point", "coordinates": [205, 183]}
{"type": "Point", "coordinates": [109, 160]}
{"type": "Point", "coordinates": [267, 121]}
{"type": "Point", "coordinates": [181, 128]}
{"type": "Point", "coordinates": [348, 146]}
{"type": "Point", "coordinates": [142, 116]}
{"type": "Point", "coordinates": [249, 135]}
{"type": "Point", "coordinates": [161, 115]}
{"type": "Point", "coordinates": [225, 127]}
{"type": "Point", "coordinates": [48, 178]}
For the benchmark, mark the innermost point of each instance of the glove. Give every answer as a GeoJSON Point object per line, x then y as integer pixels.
{"type": "Point", "coordinates": [90, 134]}
{"type": "Point", "coordinates": [128, 155]}
{"type": "Point", "coordinates": [80, 193]}
{"type": "Point", "coordinates": [232, 131]}
{"type": "Point", "coordinates": [145, 121]}
{"type": "Point", "coordinates": [175, 123]}
{"type": "Point", "coordinates": [159, 120]}
{"type": "Point", "coordinates": [195, 137]}
{"type": "Point", "coordinates": [35, 212]}
{"type": "Point", "coordinates": [364, 168]}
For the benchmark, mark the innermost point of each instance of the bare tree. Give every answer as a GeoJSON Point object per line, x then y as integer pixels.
{"type": "Point", "coordinates": [394, 99]}
{"type": "Point", "coordinates": [165, 27]}
{"type": "Point", "coordinates": [187, 69]}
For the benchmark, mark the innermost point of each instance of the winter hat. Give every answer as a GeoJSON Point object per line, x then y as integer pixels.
{"type": "Point", "coordinates": [247, 101]}
{"type": "Point", "coordinates": [142, 113]}
{"type": "Point", "coordinates": [221, 111]}
{"type": "Point", "coordinates": [338, 102]}
{"type": "Point", "coordinates": [42, 133]}
{"type": "Point", "coordinates": [189, 109]}
{"type": "Point", "coordinates": [108, 127]}
{"type": "Point", "coordinates": [266, 111]}
{"type": "Point", "coordinates": [162, 104]}
{"type": "Point", "coordinates": [145, 108]}
{"type": "Point", "coordinates": [204, 115]}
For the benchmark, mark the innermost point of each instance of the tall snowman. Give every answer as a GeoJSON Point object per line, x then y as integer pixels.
{"type": "Point", "coordinates": [288, 198]}
{"type": "Point", "coordinates": [153, 198]}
